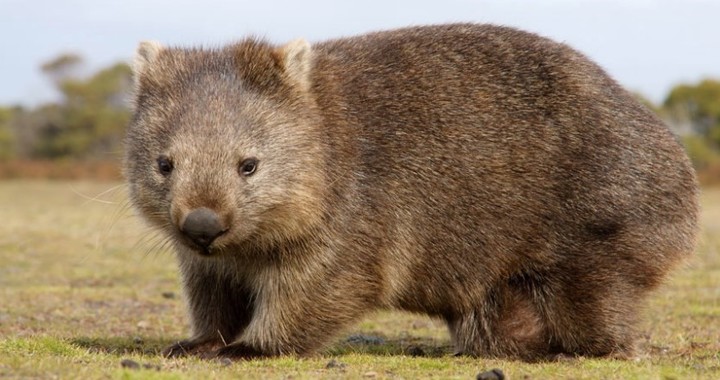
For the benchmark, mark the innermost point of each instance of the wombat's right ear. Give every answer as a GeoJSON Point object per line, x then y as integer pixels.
{"type": "Point", "coordinates": [147, 52]}
{"type": "Point", "coordinates": [296, 57]}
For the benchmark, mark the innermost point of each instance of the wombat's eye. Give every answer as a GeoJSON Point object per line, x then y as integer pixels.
{"type": "Point", "coordinates": [248, 166]}
{"type": "Point", "coordinates": [165, 166]}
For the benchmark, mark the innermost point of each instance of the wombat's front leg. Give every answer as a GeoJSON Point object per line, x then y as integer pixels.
{"type": "Point", "coordinates": [296, 314]}
{"type": "Point", "coordinates": [220, 308]}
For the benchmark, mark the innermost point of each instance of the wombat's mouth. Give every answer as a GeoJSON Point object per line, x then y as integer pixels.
{"type": "Point", "coordinates": [205, 251]}
{"type": "Point", "coordinates": [202, 250]}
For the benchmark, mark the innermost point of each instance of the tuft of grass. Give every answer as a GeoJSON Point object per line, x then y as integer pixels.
{"type": "Point", "coordinates": [85, 285]}
{"type": "Point", "coordinates": [40, 346]}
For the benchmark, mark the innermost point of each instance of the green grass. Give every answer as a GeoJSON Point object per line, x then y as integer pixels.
{"type": "Point", "coordinates": [82, 287]}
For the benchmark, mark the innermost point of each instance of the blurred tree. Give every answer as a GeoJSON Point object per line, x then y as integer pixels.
{"type": "Point", "coordinates": [7, 137]}
{"type": "Point", "coordinates": [90, 119]}
{"type": "Point", "coordinates": [698, 105]}
{"type": "Point", "coordinates": [65, 66]}
{"type": "Point", "coordinates": [94, 113]}
{"type": "Point", "coordinates": [701, 152]}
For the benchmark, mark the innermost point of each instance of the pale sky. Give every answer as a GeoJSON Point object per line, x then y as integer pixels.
{"type": "Point", "coordinates": [648, 45]}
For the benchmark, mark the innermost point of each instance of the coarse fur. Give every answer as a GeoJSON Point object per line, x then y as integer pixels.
{"type": "Point", "coordinates": [480, 174]}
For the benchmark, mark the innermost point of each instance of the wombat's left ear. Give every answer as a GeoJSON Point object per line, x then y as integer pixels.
{"type": "Point", "coordinates": [296, 59]}
{"type": "Point", "coordinates": [146, 53]}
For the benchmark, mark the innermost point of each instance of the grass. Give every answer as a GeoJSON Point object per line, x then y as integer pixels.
{"type": "Point", "coordinates": [82, 288]}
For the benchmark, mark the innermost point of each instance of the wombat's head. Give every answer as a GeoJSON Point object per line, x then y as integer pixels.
{"type": "Point", "coordinates": [223, 149]}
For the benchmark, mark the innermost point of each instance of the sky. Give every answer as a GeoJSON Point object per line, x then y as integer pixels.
{"type": "Point", "coordinates": [647, 45]}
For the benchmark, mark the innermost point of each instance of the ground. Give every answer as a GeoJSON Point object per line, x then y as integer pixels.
{"type": "Point", "coordinates": [87, 291]}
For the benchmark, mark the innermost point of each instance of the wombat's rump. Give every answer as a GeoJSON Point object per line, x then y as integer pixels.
{"type": "Point", "coordinates": [479, 174]}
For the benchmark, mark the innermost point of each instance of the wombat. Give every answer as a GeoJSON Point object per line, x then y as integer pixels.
{"type": "Point", "coordinates": [483, 175]}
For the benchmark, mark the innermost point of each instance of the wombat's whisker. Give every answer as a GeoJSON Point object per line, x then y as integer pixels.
{"type": "Point", "coordinates": [96, 198]}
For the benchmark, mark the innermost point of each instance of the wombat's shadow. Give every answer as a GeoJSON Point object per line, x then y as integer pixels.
{"type": "Point", "coordinates": [121, 345]}
{"type": "Point", "coordinates": [353, 344]}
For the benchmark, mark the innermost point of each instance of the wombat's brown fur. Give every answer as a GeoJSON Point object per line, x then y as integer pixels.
{"type": "Point", "coordinates": [479, 174]}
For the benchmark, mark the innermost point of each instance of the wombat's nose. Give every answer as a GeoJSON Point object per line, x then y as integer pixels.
{"type": "Point", "coordinates": [202, 226]}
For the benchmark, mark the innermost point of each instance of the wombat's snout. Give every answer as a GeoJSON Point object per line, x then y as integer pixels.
{"type": "Point", "coordinates": [202, 226]}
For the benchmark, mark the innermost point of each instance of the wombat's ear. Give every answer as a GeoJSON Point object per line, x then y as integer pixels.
{"type": "Point", "coordinates": [146, 53]}
{"type": "Point", "coordinates": [296, 59]}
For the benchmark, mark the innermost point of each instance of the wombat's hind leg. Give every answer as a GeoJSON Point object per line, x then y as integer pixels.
{"type": "Point", "coordinates": [593, 312]}
{"type": "Point", "coordinates": [507, 324]}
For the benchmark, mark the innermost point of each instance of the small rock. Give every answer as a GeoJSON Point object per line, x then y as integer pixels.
{"type": "Point", "coordinates": [168, 295]}
{"type": "Point", "coordinates": [334, 363]}
{"type": "Point", "coordinates": [418, 324]}
{"type": "Point", "coordinates": [415, 351]}
{"type": "Point", "coordinates": [659, 350]}
{"type": "Point", "coordinates": [225, 362]}
{"type": "Point", "coordinates": [143, 324]}
{"type": "Point", "coordinates": [563, 358]}
{"type": "Point", "coordinates": [130, 364]}
{"type": "Point", "coordinates": [138, 340]}
{"type": "Point", "coordinates": [493, 374]}
{"type": "Point", "coordinates": [370, 374]}
{"type": "Point", "coordinates": [151, 366]}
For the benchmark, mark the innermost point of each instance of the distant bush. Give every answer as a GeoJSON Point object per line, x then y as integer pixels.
{"type": "Point", "coordinates": [87, 123]}
{"type": "Point", "coordinates": [701, 151]}
{"type": "Point", "coordinates": [7, 137]}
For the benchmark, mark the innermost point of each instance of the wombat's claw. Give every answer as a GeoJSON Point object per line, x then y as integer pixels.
{"type": "Point", "coordinates": [176, 350]}
{"type": "Point", "coordinates": [238, 351]}
{"type": "Point", "coordinates": [190, 347]}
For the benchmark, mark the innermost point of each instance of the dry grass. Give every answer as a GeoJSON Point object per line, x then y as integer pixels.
{"type": "Point", "coordinates": [102, 170]}
{"type": "Point", "coordinates": [82, 287]}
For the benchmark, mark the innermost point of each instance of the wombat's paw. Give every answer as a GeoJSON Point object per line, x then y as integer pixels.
{"type": "Point", "coordinates": [190, 347]}
{"type": "Point", "coordinates": [238, 351]}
